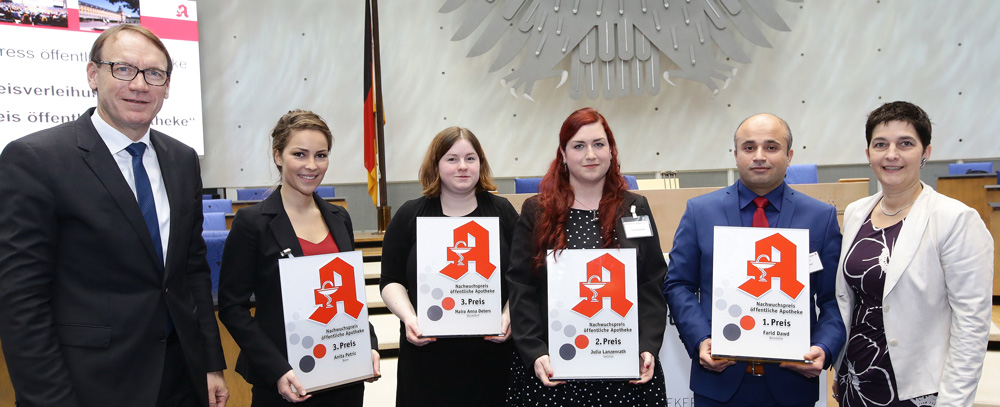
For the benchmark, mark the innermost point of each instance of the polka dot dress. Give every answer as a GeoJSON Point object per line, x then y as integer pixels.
{"type": "Point", "coordinates": [583, 232]}
{"type": "Point", "coordinates": [583, 229]}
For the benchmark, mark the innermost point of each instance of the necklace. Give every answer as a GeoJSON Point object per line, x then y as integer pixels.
{"type": "Point", "coordinates": [881, 206]}
{"type": "Point", "coordinates": [592, 211]}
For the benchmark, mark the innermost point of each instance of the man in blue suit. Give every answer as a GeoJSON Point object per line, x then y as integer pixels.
{"type": "Point", "coordinates": [763, 152]}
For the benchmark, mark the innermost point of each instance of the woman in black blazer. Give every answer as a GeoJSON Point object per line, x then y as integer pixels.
{"type": "Point", "coordinates": [292, 217]}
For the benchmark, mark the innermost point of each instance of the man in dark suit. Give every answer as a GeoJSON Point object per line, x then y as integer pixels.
{"type": "Point", "coordinates": [105, 294]}
{"type": "Point", "coordinates": [763, 152]}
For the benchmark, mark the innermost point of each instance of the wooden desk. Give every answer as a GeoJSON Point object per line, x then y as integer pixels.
{"type": "Point", "coordinates": [6, 388]}
{"type": "Point", "coordinates": [995, 231]}
{"type": "Point", "coordinates": [371, 251]}
{"type": "Point", "coordinates": [373, 270]}
{"type": "Point", "coordinates": [368, 237]}
{"type": "Point", "coordinates": [239, 389]}
{"type": "Point", "coordinates": [668, 204]}
{"type": "Point", "coordinates": [969, 188]}
{"type": "Point", "coordinates": [837, 194]}
{"type": "Point", "coordinates": [992, 193]}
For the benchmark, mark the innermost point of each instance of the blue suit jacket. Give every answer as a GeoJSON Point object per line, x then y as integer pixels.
{"type": "Point", "coordinates": [688, 289]}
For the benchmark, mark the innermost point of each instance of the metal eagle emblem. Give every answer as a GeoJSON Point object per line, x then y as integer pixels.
{"type": "Point", "coordinates": [614, 47]}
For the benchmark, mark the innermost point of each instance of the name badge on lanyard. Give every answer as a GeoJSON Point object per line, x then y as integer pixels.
{"type": "Point", "coordinates": [637, 226]}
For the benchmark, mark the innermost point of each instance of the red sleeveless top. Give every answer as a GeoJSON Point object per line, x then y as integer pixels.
{"type": "Point", "coordinates": [324, 247]}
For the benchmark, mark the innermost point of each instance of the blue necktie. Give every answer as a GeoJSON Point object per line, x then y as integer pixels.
{"type": "Point", "coordinates": [144, 194]}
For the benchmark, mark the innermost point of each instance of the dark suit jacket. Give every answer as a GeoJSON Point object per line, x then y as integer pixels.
{"type": "Point", "coordinates": [688, 288]}
{"type": "Point", "coordinates": [529, 288]}
{"type": "Point", "coordinates": [250, 268]}
{"type": "Point", "coordinates": [83, 300]}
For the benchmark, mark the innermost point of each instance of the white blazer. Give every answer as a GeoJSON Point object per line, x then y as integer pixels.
{"type": "Point", "coordinates": [937, 299]}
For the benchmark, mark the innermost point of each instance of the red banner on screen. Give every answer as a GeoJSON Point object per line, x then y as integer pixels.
{"type": "Point", "coordinates": [171, 29]}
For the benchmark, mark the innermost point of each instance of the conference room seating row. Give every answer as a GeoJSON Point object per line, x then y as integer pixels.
{"type": "Point", "coordinates": [795, 174]}
{"type": "Point", "coordinates": [259, 194]}
{"type": "Point", "coordinates": [530, 185]}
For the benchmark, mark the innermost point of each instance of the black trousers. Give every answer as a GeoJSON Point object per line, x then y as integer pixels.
{"type": "Point", "coordinates": [176, 389]}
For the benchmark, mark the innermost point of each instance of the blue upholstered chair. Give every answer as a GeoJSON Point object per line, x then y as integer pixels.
{"type": "Point", "coordinates": [214, 233]}
{"type": "Point", "coordinates": [632, 183]}
{"type": "Point", "coordinates": [965, 168]}
{"type": "Point", "coordinates": [530, 185]}
{"type": "Point", "coordinates": [215, 241]}
{"type": "Point", "coordinates": [802, 174]}
{"type": "Point", "coordinates": [325, 191]}
{"type": "Point", "coordinates": [214, 221]}
{"type": "Point", "coordinates": [217, 205]}
{"type": "Point", "coordinates": [252, 194]}
{"type": "Point", "coordinates": [526, 185]}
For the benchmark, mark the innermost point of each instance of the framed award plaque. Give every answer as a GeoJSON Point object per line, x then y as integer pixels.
{"type": "Point", "coordinates": [326, 319]}
{"type": "Point", "coordinates": [458, 276]}
{"type": "Point", "coordinates": [761, 294]}
{"type": "Point", "coordinates": [593, 314]}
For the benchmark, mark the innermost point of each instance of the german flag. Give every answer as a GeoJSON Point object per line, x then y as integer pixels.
{"type": "Point", "coordinates": [371, 146]}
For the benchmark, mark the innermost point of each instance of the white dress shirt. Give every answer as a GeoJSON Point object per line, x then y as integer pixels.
{"type": "Point", "coordinates": [116, 142]}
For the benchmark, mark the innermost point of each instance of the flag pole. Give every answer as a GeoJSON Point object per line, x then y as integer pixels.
{"type": "Point", "coordinates": [383, 212]}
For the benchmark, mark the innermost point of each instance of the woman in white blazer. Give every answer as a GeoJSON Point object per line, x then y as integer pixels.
{"type": "Point", "coordinates": [914, 280]}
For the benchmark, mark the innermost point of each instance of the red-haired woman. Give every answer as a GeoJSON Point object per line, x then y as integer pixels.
{"type": "Point", "coordinates": [581, 202]}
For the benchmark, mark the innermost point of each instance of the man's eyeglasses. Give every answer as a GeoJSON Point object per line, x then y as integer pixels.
{"type": "Point", "coordinates": [126, 72]}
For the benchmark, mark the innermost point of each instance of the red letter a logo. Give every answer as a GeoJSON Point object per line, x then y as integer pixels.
{"type": "Point", "coordinates": [329, 293]}
{"type": "Point", "coordinates": [472, 244]}
{"type": "Point", "coordinates": [594, 290]}
{"type": "Point", "coordinates": [775, 257]}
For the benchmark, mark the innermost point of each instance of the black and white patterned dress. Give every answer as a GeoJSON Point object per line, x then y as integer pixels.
{"type": "Point", "coordinates": [865, 376]}
{"type": "Point", "coordinates": [583, 232]}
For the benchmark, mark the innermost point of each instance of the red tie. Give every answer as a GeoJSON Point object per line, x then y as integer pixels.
{"type": "Point", "coordinates": [759, 219]}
